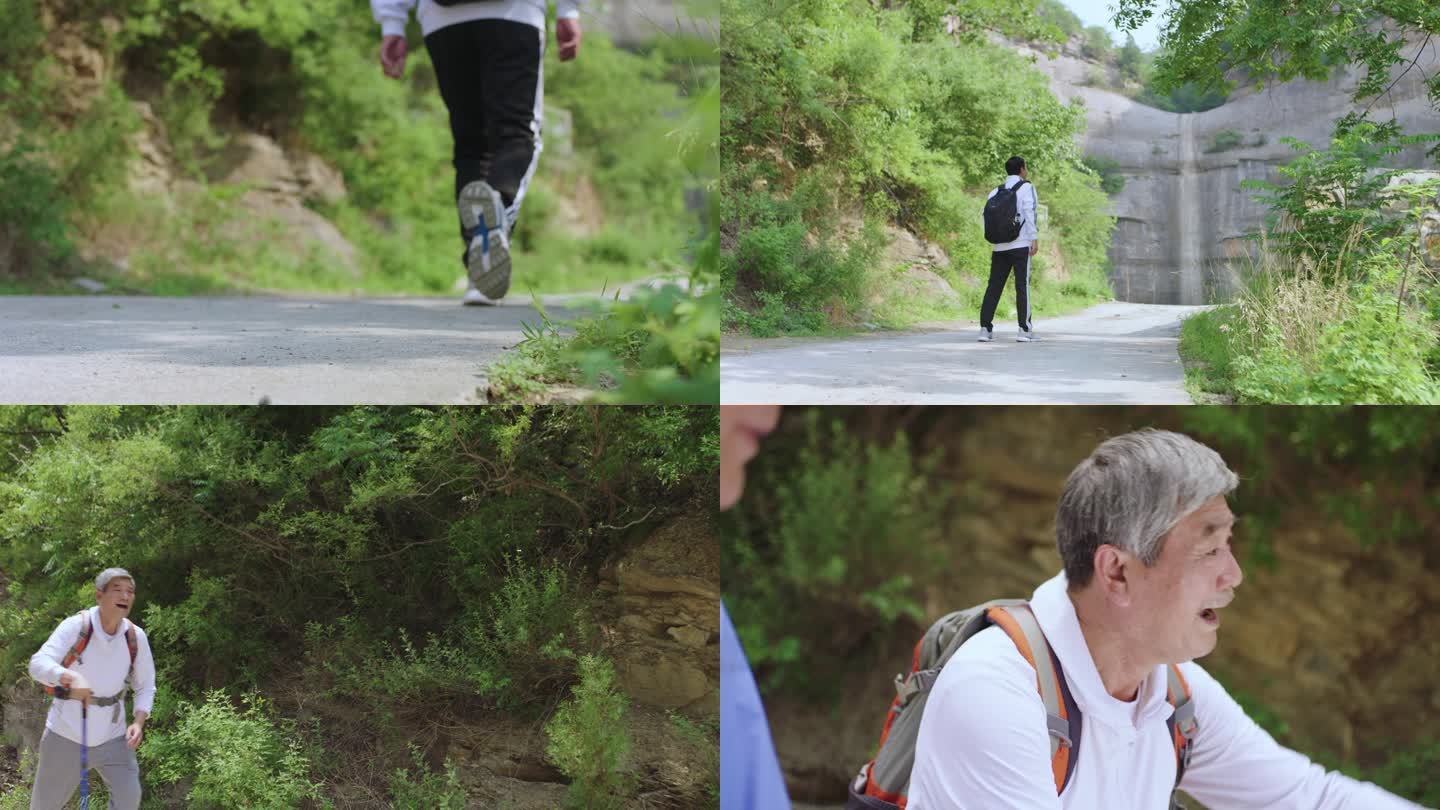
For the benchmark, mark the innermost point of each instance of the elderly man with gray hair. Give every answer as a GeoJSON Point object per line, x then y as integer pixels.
{"type": "Point", "coordinates": [91, 659]}
{"type": "Point", "coordinates": [1143, 530]}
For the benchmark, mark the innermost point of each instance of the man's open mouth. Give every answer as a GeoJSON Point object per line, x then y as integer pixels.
{"type": "Point", "coordinates": [123, 605]}
{"type": "Point", "coordinates": [1210, 615]}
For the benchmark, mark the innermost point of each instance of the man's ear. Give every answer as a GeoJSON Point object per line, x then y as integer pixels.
{"type": "Point", "coordinates": [1112, 573]}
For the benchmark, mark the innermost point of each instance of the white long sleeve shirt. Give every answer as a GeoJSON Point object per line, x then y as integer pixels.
{"type": "Point", "coordinates": [983, 741]}
{"type": "Point", "coordinates": [1025, 201]}
{"type": "Point", "coordinates": [393, 14]}
{"type": "Point", "coordinates": [105, 664]}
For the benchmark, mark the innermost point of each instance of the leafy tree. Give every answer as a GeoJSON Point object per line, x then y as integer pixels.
{"type": "Point", "coordinates": [1330, 198]}
{"type": "Point", "coordinates": [1286, 39]}
{"type": "Point", "coordinates": [1129, 59]}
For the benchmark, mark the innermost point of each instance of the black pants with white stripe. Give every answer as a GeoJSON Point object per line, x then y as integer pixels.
{"type": "Point", "coordinates": [1001, 263]}
{"type": "Point", "coordinates": [492, 79]}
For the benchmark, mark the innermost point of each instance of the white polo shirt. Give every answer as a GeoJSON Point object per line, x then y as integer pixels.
{"type": "Point", "coordinates": [983, 742]}
{"type": "Point", "coordinates": [105, 664]}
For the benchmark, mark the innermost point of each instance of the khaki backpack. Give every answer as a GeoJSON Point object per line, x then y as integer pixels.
{"type": "Point", "coordinates": [884, 782]}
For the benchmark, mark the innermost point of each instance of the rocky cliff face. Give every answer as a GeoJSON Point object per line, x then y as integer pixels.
{"type": "Point", "coordinates": [1182, 216]}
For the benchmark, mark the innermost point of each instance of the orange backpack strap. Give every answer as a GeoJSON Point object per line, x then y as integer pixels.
{"type": "Point", "coordinates": [1062, 716]}
{"type": "Point", "coordinates": [77, 648]}
{"type": "Point", "coordinates": [1181, 721]}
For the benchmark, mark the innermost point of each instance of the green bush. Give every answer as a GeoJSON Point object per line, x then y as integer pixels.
{"type": "Point", "coordinates": [532, 629]}
{"type": "Point", "coordinates": [1329, 205]}
{"type": "Point", "coordinates": [33, 210]}
{"type": "Point", "coordinates": [1225, 140]}
{"type": "Point", "coordinates": [511, 652]}
{"type": "Point", "coordinates": [286, 512]}
{"type": "Point", "coordinates": [1112, 180]}
{"type": "Point", "coordinates": [811, 553]}
{"type": "Point", "coordinates": [1414, 774]}
{"type": "Point", "coordinates": [587, 740]}
{"type": "Point", "coordinates": [1373, 353]}
{"type": "Point", "coordinates": [808, 276]}
{"type": "Point", "coordinates": [229, 757]}
{"type": "Point", "coordinates": [704, 736]}
{"type": "Point", "coordinates": [427, 790]}
{"type": "Point", "coordinates": [1096, 44]}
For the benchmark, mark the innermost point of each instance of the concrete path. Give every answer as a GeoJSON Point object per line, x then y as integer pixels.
{"type": "Point", "coordinates": [1115, 353]}
{"type": "Point", "coordinates": [107, 349]}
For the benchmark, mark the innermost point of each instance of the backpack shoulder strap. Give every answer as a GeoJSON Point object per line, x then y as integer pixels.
{"type": "Point", "coordinates": [1062, 716]}
{"type": "Point", "coordinates": [886, 777]}
{"type": "Point", "coordinates": [1181, 722]}
{"type": "Point", "coordinates": [87, 628]}
{"type": "Point", "coordinates": [133, 643]}
{"type": "Point", "coordinates": [76, 649]}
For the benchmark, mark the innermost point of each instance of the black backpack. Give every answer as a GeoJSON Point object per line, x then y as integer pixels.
{"type": "Point", "coordinates": [1002, 215]}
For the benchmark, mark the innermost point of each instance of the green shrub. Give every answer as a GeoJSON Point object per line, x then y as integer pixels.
{"type": "Point", "coordinates": [427, 790]}
{"type": "Point", "coordinates": [231, 757]}
{"type": "Point", "coordinates": [1096, 44]}
{"type": "Point", "coordinates": [703, 736]}
{"type": "Point", "coordinates": [1329, 207]}
{"type": "Point", "coordinates": [33, 210]}
{"type": "Point", "coordinates": [1373, 352]}
{"type": "Point", "coordinates": [807, 273]}
{"type": "Point", "coordinates": [587, 740]}
{"type": "Point", "coordinates": [811, 553]}
{"type": "Point", "coordinates": [1225, 140]}
{"type": "Point", "coordinates": [512, 651]}
{"type": "Point", "coordinates": [16, 796]}
{"type": "Point", "coordinates": [1414, 774]}
{"type": "Point", "coordinates": [1112, 180]}
{"type": "Point", "coordinates": [534, 626]}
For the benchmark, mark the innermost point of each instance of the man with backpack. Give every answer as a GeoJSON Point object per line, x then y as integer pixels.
{"type": "Point", "coordinates": [87, 665]}
{"type": "Point", "coordinates": [1010, 229]}
{"type": "Point", "coordinates": [1086, 695]}
{"type": "Point", "coordinates": [488, 57]}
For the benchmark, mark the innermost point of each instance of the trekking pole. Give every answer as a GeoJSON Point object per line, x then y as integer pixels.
{"type": "Point", "coordinates": [84, 754]}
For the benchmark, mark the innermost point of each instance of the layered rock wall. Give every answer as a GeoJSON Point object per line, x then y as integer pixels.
{"type": "Point", "coordinates": [1182, 216]}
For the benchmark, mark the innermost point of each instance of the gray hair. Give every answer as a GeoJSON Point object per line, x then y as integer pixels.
{"type": "Point", "coordinates": [1130, 493]}
{"type": "Point", "coordinates": [109, 574]}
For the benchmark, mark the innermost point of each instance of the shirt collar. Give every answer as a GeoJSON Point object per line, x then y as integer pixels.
{"type": "Point", "coordinates": [100, 628]}
{"type": "Point", "coordinates": [1056, 615]}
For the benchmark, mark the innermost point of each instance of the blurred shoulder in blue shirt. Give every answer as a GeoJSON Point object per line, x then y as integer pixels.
{"type": "Point", "coordinates": [750, 777]}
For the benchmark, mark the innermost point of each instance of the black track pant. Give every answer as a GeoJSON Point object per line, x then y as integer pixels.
{"type": "Point", "coordinates": [1001, 263]}
{"type": "Point", "coordinates": [491, 77]}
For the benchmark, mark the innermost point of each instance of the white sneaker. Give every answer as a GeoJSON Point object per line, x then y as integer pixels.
{"type": "Point", "coordinates": [986, 335]}
{"type": "Point", "coordinates": [475, 298]}
{"type": "Point", "coordinates": [488, 259]}
{"type": "Point", "coordinates": [1025, 336]}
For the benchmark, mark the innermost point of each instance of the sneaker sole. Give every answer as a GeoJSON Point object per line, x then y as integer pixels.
{"type": "Point", "coordinates": [477, 300]}
{"type": "Point", "coordinates": [476, 200]}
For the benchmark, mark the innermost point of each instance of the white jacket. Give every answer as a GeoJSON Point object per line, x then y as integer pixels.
{"type": "Point", "coordinates": [983, 741]}
{"type": "Point", "coordinates": [1025, 201]}
{"type": "Point", "coordinates": [393, 14]}
{"type": "Point", "coordinates": [105, 663]}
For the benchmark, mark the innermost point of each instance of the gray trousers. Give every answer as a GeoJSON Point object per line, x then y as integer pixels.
{"type": "Point", "coordinates": [58, 774]}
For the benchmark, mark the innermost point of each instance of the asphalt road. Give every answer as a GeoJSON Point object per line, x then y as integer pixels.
{"type": "Point", "coordinates": [1114, 353]}
{"type": "Point", "coordinates": [109, 349]}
